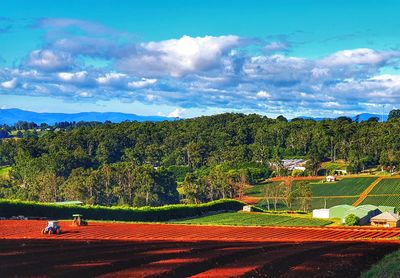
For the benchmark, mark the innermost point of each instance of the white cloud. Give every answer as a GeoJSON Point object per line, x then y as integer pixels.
{"type": "Point", "coordinates": [150, 97]}
{"type": "Point", "coordinates": [263, 95]}
{"type": "Point", "coordinates": [49, 60]}
{"type": "Point", "coordinates": [177, 57]}
{"type": "Point", "coordinates": [85, 94]}
{"type": "Point", "coordinates": [358, 56]}
{"type": "Point", "coordinates": [10, 84]}
{"type": "Point", "coordinates": [142, 83]}
{"type": "Point", "coordinates": [110, 77]}
{"type": "Point", "coordinates": [72, 76]}
{"type": "Point", "coordinates": [276, 46]}
{"type": "Point", "coordinates": [177, 113]}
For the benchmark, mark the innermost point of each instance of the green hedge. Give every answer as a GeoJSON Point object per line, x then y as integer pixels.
{"type": "Point", "coordinates": [144, 214]}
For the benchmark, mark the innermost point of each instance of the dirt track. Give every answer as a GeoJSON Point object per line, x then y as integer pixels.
{"type": "Point", "coordinates": [131, 250]}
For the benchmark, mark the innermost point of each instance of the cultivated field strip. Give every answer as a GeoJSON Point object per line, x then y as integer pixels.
{"type": "Point", "coordinates": [31, 229]}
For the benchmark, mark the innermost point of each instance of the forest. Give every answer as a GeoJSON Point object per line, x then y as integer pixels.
{"type": "Point", "coordinates": [185, 161]}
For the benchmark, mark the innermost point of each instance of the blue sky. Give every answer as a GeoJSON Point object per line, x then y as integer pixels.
{"type": "Point", "coordinates": [190, 58]}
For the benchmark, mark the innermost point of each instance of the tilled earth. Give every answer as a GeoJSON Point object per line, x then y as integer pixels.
{"type": "Point", "coordinates": [157, 250]}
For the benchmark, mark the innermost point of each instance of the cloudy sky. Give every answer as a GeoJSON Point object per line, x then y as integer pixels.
{"type": "Point", "coordinates": [191, 58]}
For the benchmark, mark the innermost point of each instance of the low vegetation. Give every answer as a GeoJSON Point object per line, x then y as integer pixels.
{"type": "Point", "coordinates": [4, 172]}
{"type": "Point", "coordinates": [10, 208]}
{"type": "Point", "coordinates": [351, 220]}
{"type": "Point", "coordinates": [388, 267]}
{"type": "Point", "coordinates": [255, 219]}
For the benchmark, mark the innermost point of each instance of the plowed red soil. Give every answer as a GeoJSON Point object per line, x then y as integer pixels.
{"type": "Point", "coordinates": [157, 250]}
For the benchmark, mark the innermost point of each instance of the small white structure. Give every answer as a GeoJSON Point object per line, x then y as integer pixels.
{"type": "Point", "coordinates": [320, 213]}
{"type": "Point", "coordinates": [248, 208]}
{"type": "Point", "coordinates": [330, 178]}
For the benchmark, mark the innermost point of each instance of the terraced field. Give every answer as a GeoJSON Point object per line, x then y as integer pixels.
{"type": "Point", "coordinates": [387, 186]}
{"type": "Point", "coordinates": [344, 187]}
{"type": "Point", "coordinates": [393, 201]}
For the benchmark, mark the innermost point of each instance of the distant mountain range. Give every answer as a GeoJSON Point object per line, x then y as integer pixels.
{"type": "Point", "coordinates": [11, 116]}
{"type": "Point", "coordinates": [361, 117]}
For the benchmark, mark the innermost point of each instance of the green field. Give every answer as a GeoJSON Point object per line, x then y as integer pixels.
{"type": "Point", "coordinates": [257, 190]}
{"type": "Point", "coordinates": [393, 201]}
{"type": "Point", "coordinates": [316, 203]}
{"type": "Point", "coordinates": [4, 171]}
{"type": "Point", "coordinates": [344, 187]}
{"type": "Point", "coordinates": [255, 219]}
{"type": "Point", "coordinates": [387, 186]}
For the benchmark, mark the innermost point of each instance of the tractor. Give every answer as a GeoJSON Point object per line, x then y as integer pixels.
{"type": "Point", "coordinates": [52, 228]}
{"type": "Point", "coordinates": [78, 220]}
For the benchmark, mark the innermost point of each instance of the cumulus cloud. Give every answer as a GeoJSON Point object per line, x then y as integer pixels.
{"type": "Point", "coordinates": [110, 77]}
{"type": "Point", "coordinates": [177, 57]}
{"type": "Point", "coordinates": [359, 56]}
{"type": "Point", "coordinates": [222, 72]}
{"type": "Point", "coordinates": [177, 113]}
{"type": "Point", "coordinates": [142, 83]}
{"type": "Point", "coordinates": [277, 46]}
{"type": "Point", "coordinates": [48, 60]}
{"type": "Point", "coordinates": [73, 76]}
{"type": "Point", "coordinates": [10, 84]}
{"type": "Point", "coordinates": [263, 95]}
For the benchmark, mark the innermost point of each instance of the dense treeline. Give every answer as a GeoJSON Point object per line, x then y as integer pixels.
{"type": "Point", "coordinates": [214, 157]}
{"type": "Point", "coordinates": [10, 208]}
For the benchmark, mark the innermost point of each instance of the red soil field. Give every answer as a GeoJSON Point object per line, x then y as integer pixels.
{"type": "Point", "coordinates": [30, 229]}
{"type": "Point", "coordinates": [158, 250]}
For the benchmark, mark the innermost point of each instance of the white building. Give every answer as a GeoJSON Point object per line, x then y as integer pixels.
{"type": "Point", "coordinates": [320, 213]}
{"type": "Point", "coordinates": [330, 178]}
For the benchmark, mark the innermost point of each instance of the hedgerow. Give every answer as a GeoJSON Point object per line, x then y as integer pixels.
{"type": "Point", "coordinates": [10, 208]}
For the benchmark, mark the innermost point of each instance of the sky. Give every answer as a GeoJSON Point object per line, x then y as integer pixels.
{"type": "Point", "coordinates": [191, 58]}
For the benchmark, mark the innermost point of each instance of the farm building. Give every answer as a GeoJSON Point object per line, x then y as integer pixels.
{"type": "Point", "coordinates": [330, 178]}
{"type": "Point", "coordinates": [320, 213]}
{"type": "Point", "coordinates": [364, 212]}
{"type": "Point", "coordinates": [386, 219]}
{"type": "Point", "coordinates": [339, 211]}
{"type": "Point", "coordinates": [248, 208]}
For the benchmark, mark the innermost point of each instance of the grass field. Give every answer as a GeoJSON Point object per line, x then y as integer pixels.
{"type": "Point", "coordinates": [255, 219]}
{"type": "Point", "coordinates": [4, 171]}
{"type": "Point", "coordinates": [387, 186]}
{"type": "Point", "coordinates": [344, 187]}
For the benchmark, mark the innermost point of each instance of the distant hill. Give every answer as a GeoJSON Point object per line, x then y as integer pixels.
{"type": "Point", "coordinates": [361, 117]}
{"type": "Point", "coordinates": [11, 116]}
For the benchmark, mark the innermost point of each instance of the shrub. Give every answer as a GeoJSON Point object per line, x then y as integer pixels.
{"type": "Point", "coordinates": [144, 214]}
{"type": "Point", "coordinates": [351, 220]}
